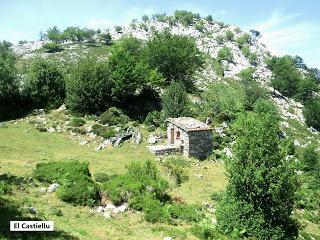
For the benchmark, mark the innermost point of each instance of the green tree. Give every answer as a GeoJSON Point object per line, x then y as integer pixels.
{"type": "Point", "coordinates": [225, 54]}
{"type": "Point", "coordinates": [310, 158]}
{"type": "Point", "coordinates": [54, 34]}
{"type": "Point", "coordinates": [8, 82]}
{"type": "Point", "coordinates": [223, 101]}
{"type": "Point", "coordinates": [229, 35]}
{"type": "Point", "coordinates": [89, 87]}
{"type": "Point", "coordinates": [184, 17]}
{"type": "Point", "coordinates": [307, 87]}
{"type": "Point", "coordinates": [129, 71]}
{"type": "Point", "coordinates": [311, 112]}
{"type": "Point", "coordinates": [175, 56]}
{"type": "Point", "coordinates": [243, 40]}
{"type": "Point", "coordinates": [209, 18]}
{"type": "Point", "coordinates": [52, 47]}
{"type": "Point", "coordinates": [285, 76]}
{"type": "Point", "coordinates": [259, 197]}
{"type": "Point", "coordinates": [175, 101]}
{"type": "Point", "coordinates": [45, 84]}
{"type": "Point", "coordinates": [106, 38]}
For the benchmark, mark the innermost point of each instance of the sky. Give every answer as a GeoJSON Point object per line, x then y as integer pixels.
{"type": "Point", "coordinates": [287, 27]}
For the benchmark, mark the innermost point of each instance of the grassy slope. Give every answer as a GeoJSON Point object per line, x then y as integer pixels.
{"type": "Point", "coordinates": [22, 147]}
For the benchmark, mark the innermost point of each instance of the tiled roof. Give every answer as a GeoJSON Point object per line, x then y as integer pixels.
{"type": "Point", "coordinates": [189, 124]}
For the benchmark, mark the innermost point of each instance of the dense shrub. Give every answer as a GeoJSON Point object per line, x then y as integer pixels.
{"type": "Point", "coordinates": [285, 76]}
{"type": "Point", "coordinates": [307, 87]}
{"type": "Point", "coordinates": [209, 18]}
{"type": "Point", "coordinates": [88, 87]}
{"type": "Point", "coordinates": [264, 106]}
{"type": "Point", "coordinates": [77, 122]}
{"type": "Point", "coordinates": [246, 75]}
{"type": "Point", "coordinates": [217, 68]}
{"type": "Point", "coordinates": [113, 116]}
{"type": "Point", "coordinates": [77, 186]}
{"type": "Point", "coordinates": [184, 17]}
{"type": "Point", "coordinates": [176, 168]}
{"type": "Point", "coordinates": [130, 72]}
{"type": "Point", "coordinates": [139, 179]}
{"type": "Point", "coordinates": [260, 195]}
{"type": "Point", "coordinates": [311, 112]}
{"type": "Point", "coordinates": [106, 38]}
{"type": "Point", "coordinates": [45, 84]}
{"type": "Point", "coordinates": [118, 29]}
{"type": "Point", "coordinates": [52, 47]}
{"type": "Point", "coordinates": [175, 101]}
{"type": "Point", "coordinates": [206, 231]}
{"type": "Point", "coordinates": [225, 54]}
{"type": "Point", "coordinates": [54, 34]}
{"type": "Point", "coordinates": [243, 40]}
{"type": "Point", "coordinates": [310, 158]}
{"type": "Point", "coordinates": [188, 213]}
{"type": "Point", "coordinates": [176, 57]}
{"type": "Point", "coordinates": [252, 57]}
{"type": "Point", "coordinates": [200, 27]}
{"type": "Point", "coordinates": [220, 39]}
{"type": "Point", "coordinates": [82, 192]}
{"type": "Point", "coordinates": [153, 118]}
{"type": "Point", "coordinates": [254, 92]}
{"type": "Point", "coordinates": [223, 101]}
{"type": "Point", "coordinates": [229, 35]}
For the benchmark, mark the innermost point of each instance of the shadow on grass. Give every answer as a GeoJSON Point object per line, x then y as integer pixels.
{"type": "Point", "coordinates": [9, 212]}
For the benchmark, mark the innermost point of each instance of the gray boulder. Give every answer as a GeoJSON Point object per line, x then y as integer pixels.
{"type": "Point", "coordinates": [53, 187]}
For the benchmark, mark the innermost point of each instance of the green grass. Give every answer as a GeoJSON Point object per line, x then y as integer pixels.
{"type": "Point", "coordinates": [22, 147]}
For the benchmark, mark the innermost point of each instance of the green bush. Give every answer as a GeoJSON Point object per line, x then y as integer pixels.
{"type": "Point", "coordinates": [243, 40]}
{"type": "Point", "coordinates": [77, 186]}
{"type": "Point", "coordinates": [118, 29]}
{"type": "Point", "coordinates": [310, 158]}
{"type": "Point", "coordinates": [89, 87]}
{"type": "Point", "coordinates": [176, 57]}
{"type": "Point", "coordinates": [188, 213]}
{"type": "Point", "coordinates": [62, 172]}
{"type": "Point", "coordinates": [223, 101]}
{"type": "Point", "coordinates": [225, 54]}
{"type": "Point", "coordinates": [263, 106]}
{"type": "Point", "coordinates": [285, 76]}
{"type": "Point", "coordinates": [45, 84]}
{"type": "Point", "coordinates": [113, 116]}
{"type": "Point", "coordinates": [175, 101]}
{"type": "Point", "coordinates": [217, 68]}
{"type": "Point", "coordinates": [229, 35]}
{"type": "Point", "coordinates": [307, 86]}
{"type": "Point", "coordinates": [220, 39]}
{"type": "Point", "coordinates": [103, 131]}
{"type": "Point", "coordinates": [103, 177]}
{"type": "Point", "coordinates": [252, 57]}
{"type": "Point", "coordinates": [311, 112]}
{"type": "Point", "coordinates": [184, 17]}
{"type": "Point", "coordinates": [139, 179]}
{"type": "Point", "coordinates": [82, 192]}
{"type": "Point", "coordinates": [254, 92]}
{"type": "Point", "coordinates": [176, 170]}
{"type": "Point", "coordinates": [199, 27]}
{"type": "Point", "coordinates": [206, 231]}
{"type": "Point", "coordinates": [77, 122]}
{"type": "Point", "coordinates": [153, 118]}
{"type": "Point", "coordinates": [52, 47]}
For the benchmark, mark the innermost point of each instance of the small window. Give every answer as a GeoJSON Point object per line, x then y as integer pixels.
{"type": "Point", "coordinates": [178, 135]}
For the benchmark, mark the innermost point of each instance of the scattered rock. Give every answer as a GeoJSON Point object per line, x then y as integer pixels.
{"type": "Point", "coordinates": [137, 137]}
{"type": "Point", "coordinates": [100, 147]}
{"type": "Point", "coordinates": [83, 142]}
{"type": "Point", "coordinates": [121, 209]}
{"type": "Point", "coordinates": [100, 209]}
{"type": "Point", "coordinates": [53, 187]}
{"type": "Point", "coordinates": [51, 129]}
{"type": "Point", "coordinates": [42, 190]}
{"type": "Point", "coordinates": [214, 221]}
{"type": "Point", "coordinates": [117, 142]}
{"type": "Point", "coordinates": [152, 139]}
{"type": "Point", "coordinates": [32, 210]}
{"type": "Point", "coordinates": [167, 238]}
{"type": "Point", "coordinates": [109, 207]}
{"type": "Point", "coordinates": [296, 143]}
{"type": "Point", "coordinates": [107, 215]}
{"type": "Point", "coordinates": [61, 108]}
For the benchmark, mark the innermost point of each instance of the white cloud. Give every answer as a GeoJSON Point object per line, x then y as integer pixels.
{"type": "Point", "coordinates": [291, 34]}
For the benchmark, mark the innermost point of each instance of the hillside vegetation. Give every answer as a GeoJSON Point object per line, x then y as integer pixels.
{"type": "Point", "coordinates": [79, 107]}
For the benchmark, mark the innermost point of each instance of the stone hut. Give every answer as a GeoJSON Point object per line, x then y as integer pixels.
{"type": "Point", "coordinates": [192, 136]}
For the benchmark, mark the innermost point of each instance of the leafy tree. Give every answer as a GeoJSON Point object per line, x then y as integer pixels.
{"type": "Point", "coordinates": [52, 47]}
{"type": "Point", "coordinates": [89, 87]}
{"type": "Point", "coordinates": [184, 17]}
{"type": "Point", "coordinates": [307, 86]}
{"type": "Point", "coordinates": [118, 29]}
{"type": "Point", "coordinates": [54, 34]}
{"type": "Point", "coordinates": [209, 18]}
{"type": "Point", "coordinates": [265, 106]}
{"type": "Point", "coordinates": [253, 92]}
{"type": "Point", "coordinates": [225, 54]}
{"type": "Point", "coordinates": [310, 158]}
{"type": "Point", "coordinates": [176, 57]}
{"type": "Point", "coordinates": [217, 68]}
{"type": "Point", "coordinates": [106, 38]}
{"type": "Point", "coordinates": [285, 77]}
{"type": "Point", "coordinates": [259, 197]}
{"type": "Point", "coordinates": [129, 71]}
{"type": "Point", "coordinates": [223, 101]}
{"type": "Point", "coordinates": [8, 83]}
{"type": "Point", "coordinates": [45, 84]}
{"type": "Point", "coordinates": [246, 75]}
{"type": "Point", "coordinates": [229, 35]}
{"type": "Point", "coordinates": [299, 62]}
{"type": "Point", "coordinates": [243, 40]}
{"type": "Point", "coordinates": [175, 101]}
{"type": "Point", "coordinates": [145, 18]}
{"type": "Point", "coordinates": [311, 112]}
